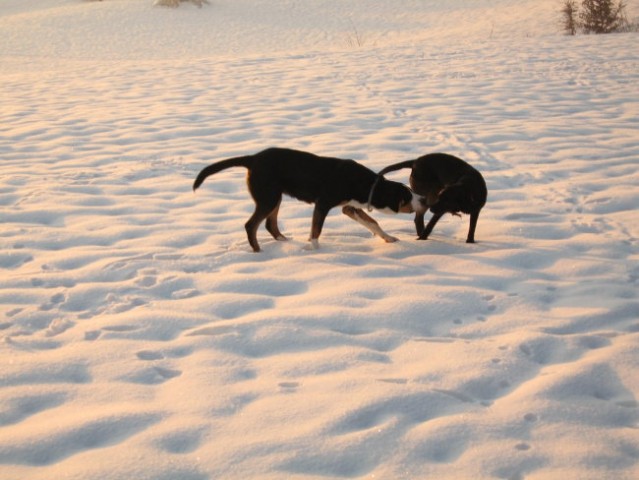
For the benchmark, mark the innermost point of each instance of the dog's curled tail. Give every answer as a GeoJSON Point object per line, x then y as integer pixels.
{"type": "Point", "coordinates": [246, 162]}
{"type": "Point", "coordinates": [397, 166]}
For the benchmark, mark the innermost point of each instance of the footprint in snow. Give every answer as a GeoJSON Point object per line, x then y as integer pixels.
{"type": "Point", "coordinates": [120, 328]}
{"type": "Point", "coordinates": [153, 375]}
{"type": "Point", "coordinates": [148, 355]}
{"type": "Point", "coordinates": [54, 301]}
{"type": "Point", "coordinates": [14, 312]}
{"type": "Point", "coordinates": [395, 381]}
{"type": "Point", "coordinates": [456, 395]}
{"type": "Point", "coordinates": [92, 335]}
{"type": "Point", "coordinates": [146, 281]}
{"type": "Point", "coordinates": [181, 441]}
{"type": "Point", "coordinates": [14, 260]}
{"type": "Point", "coordinates": [288, 387]}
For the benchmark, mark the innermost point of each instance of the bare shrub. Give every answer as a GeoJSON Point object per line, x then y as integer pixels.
{"type": "Point", "coordinates": [354, 38]}
{"type": "Point", "coordinates": [569, 17]}
{"type": "Point", "coordinates": [176, 3]}
{"type": "Point", "coordinates": [603, 16]}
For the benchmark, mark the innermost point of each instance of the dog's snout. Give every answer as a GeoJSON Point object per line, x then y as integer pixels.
{"type": "Point", "coordinates": [418, 204]}
{"type": "Point", "coordinates": [415, 204]}
{"type": "Point", "coordinates": [406, 208]}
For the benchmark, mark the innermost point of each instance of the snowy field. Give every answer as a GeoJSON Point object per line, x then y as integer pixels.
{"type": "Point", "coordinates": [143, 339]}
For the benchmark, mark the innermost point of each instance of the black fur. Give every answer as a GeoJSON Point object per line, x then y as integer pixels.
{"type": "Point", "coordinates": [326, 182]}
{"type": "Point", "coordinates": [449, 185]}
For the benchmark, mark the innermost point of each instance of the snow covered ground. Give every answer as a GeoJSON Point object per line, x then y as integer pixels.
{"type": "Point", "coordinates": [143, 339]}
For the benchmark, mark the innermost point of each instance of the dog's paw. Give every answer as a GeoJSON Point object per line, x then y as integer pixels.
{"type": "Point", "coordinates": [390, 239]}
{"type": "Point", "coordinates": [312, 245]}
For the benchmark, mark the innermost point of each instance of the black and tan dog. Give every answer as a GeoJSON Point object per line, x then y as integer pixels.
{"type": "Point", "coordinates": [326, 182]}
{"type": "Point", "coordinates": [449, 185]}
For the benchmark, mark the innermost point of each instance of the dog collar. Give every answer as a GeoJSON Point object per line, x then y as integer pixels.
{"type": "Point", "coordinates": [370, 195]}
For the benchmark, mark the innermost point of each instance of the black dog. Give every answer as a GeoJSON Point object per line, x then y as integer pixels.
{"type": "Point", "coordinates": [449, 185]}
{"type": "Point", "coordinates": [326, 182]}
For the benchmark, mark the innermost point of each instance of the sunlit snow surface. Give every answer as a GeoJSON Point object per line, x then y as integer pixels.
{"type": "Point", "coordinates": [143, 339]}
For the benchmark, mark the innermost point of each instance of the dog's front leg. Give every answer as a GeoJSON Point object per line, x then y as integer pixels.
{"type": "Point", "coordinates": [419, 222]}
{"type": "Point", "coordinates": [319, 215]}
{"type": "Point", "coordinates": [431, 224]}
{"type": "Point", "coordinates": [367, 222]}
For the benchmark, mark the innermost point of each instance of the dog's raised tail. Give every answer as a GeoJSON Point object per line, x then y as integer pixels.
{"type": "Point", "coordinates": [245, 162]}
{"type": "Point", "coordinates": [397, 166]}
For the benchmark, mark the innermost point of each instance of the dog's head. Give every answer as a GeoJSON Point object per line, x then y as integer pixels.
{"type": "Point", "coordinates": [396, 197]}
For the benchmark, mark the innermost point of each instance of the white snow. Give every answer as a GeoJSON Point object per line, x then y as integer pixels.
{"type": "Point", "coordinates": [142, 337]}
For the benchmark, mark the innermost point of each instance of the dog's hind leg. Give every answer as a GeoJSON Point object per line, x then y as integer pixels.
{"type": "Point", "coordinates": [271, 223]}
{"type": "Point", "coordinates": [262, 211]}
{"type": "Point", "coordinates": [471, 229]}
{"type": "Point", "coordinates": [251, 227]}
{"type": "Point", "coordinates": [431, 224]}
{"type": "Point", "coordinates": [367, 222]}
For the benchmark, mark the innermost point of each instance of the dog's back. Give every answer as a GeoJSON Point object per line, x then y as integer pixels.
{"type": "Point", "coordinates": [442, 169]}
{"type": "Point", "coordinates": [307, 177]}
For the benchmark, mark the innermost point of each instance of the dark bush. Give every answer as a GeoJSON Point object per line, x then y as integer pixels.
{"type": "Point", "coordinates": [603, 16]}
{"type": "Point", "coordinates": [569, 17]}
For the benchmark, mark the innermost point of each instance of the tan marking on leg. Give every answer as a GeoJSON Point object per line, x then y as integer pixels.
{"type": "Point", "coordinates": [367, 222]}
